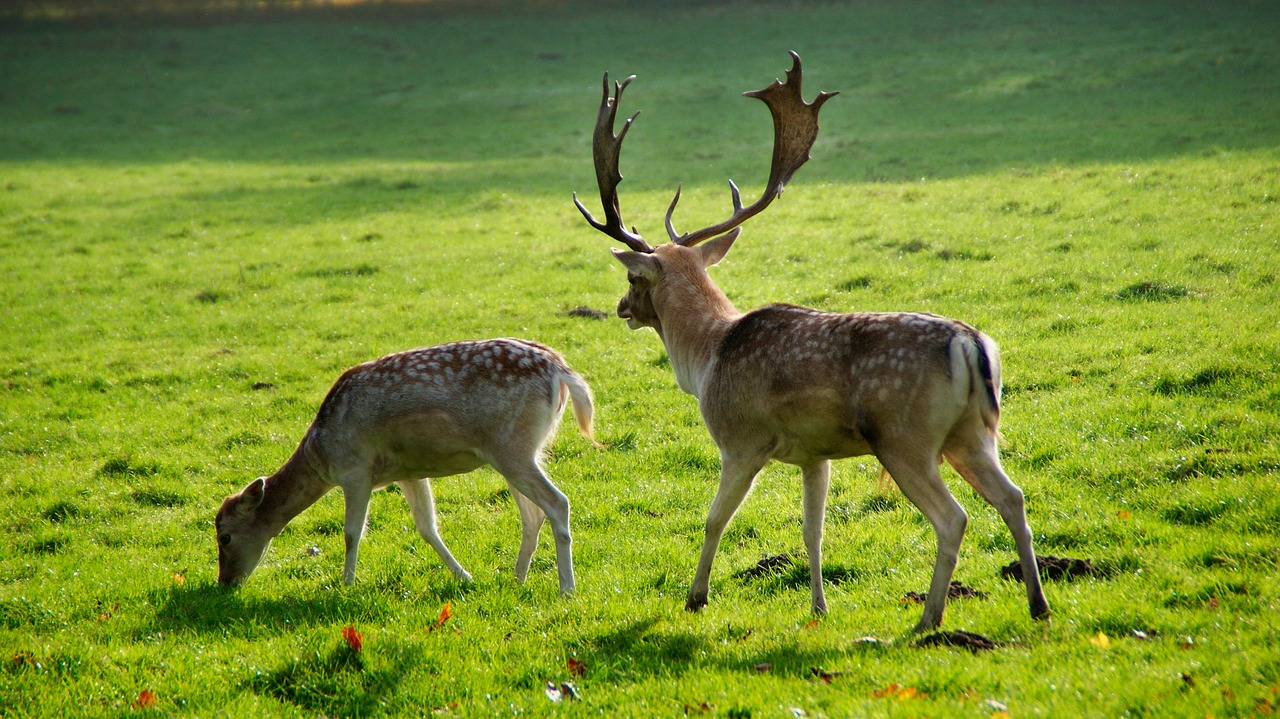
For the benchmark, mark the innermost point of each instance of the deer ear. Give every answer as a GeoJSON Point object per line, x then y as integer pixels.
{"type": "Point", "coordinates": [251, 497]}
{"type": "Point", "coordinates": [638, 263]}
{"type": "Point", "coordinates": [713, 251]}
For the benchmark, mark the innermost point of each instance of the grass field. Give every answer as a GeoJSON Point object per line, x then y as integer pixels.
{"type": "Point", "coordinates": [200, 228]}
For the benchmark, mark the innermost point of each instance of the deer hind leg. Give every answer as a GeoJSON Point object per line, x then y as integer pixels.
{"type": "Point", "coordinates": [422, 505]}
{"type": "Point", "coordinates": [531, 520]}
{"type": "Point", "coordinates": [736, 475]}
{"type": "Point", "coordinates": [356, 490]}
{"type": "Point", "coordinates": [528, 479]}
{"type": "Point", "coordinates": [918, 478]}
{"type": "Point", "coordinates": [817, 480]}
{"type": "Point", "coordinates": [978, 461]}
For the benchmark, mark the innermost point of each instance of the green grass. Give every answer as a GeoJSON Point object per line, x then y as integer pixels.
{"type": "Point", "coordinates": [200, 228]}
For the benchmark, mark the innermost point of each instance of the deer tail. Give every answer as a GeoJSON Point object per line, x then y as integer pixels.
{"type": "Point", "coordinates": [583, 407]}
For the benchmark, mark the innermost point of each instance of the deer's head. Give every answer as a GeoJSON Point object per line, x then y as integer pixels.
{"type": "Point", "coordinates": [243, 536]}
{"type": "Point", "coordinates": [659, 275]}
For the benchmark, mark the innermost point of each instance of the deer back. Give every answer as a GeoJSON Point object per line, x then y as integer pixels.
{"type": "Point", "coordinates": [835, 384]}
{"type": "Point", "coordinates": [444, 409]}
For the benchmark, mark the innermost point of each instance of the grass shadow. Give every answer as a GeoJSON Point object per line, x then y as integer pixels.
{"type": "Point", "coordinates": [213, 609]}
{"type": "Point", "coordinates": [338, 682]}
{"type": "Point", "coordinates": [646, 647]}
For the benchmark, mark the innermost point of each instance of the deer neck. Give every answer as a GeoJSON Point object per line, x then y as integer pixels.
{"type": "Point", "coordinates": [294, 487]}
{"type": "Point", "coordinates": [694, 316]}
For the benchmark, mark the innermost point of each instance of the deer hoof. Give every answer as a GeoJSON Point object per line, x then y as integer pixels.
{"type": "Point", "coordinates": [695, 603]}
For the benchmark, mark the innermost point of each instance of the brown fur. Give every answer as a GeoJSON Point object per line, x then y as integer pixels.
{"type": "Point", "coordinates": [411, 416]}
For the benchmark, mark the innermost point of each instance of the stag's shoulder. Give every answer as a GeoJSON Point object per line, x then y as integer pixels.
{"type": "Point", "coordinates": [762, 325]}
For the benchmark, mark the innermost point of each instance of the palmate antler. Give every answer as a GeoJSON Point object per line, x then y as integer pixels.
{"type": "Point", "coordinates": [795, 127]}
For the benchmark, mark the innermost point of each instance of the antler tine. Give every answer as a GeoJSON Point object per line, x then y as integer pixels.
{"type": "Point", "coordinates": [795, 127]}
{"type": "Point", "coordinates": [605, 148]}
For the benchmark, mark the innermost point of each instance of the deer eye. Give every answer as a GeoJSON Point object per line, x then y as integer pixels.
{"type": "Point", "coordinates": [224, 540]}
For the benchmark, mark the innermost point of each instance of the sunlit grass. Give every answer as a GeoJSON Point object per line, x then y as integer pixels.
{"type": "Point", "coordinates": [200, 229]}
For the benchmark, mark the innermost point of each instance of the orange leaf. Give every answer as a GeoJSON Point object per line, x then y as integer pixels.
{"type": "Point", "coordinates": [146, 699]}
{"type": "Point", "coordinates": [179, 580]}
{"type": "Point", "coordinates": [1123, 514]}
{"type": "Point", "coordinates": [895, 691]}
{"type": "Point", "coordinates": [813, 624]}
{"type": "Point", "coordinates": [354, 640]}
{"type": "Point", "coordinates": [446, 612]}
{"type": "Point", "coordinates": [576, 667]}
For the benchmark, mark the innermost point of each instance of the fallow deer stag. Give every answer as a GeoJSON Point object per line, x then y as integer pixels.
{"type": "Point", "coordinates": [805, 387]}
{"type": "Point", "coordinates": [413, 415]}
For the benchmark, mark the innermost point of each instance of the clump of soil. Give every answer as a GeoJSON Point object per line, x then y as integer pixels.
{"type": "Point", "coordinates": [585, 312]}
{"type": "Point", "coordinates": [955, 591]}
{"type": "Point", "coordinates": [1055, 568]}
{"type": "Point", "coordinates": [964, 640]}
{"type": "Point", "coordinates": [767, 566]}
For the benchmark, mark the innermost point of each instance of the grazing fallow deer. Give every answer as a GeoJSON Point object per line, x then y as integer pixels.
{"type": "Point", "coordinates": [413, 415]}
{"type": "Point", "coordinates": [805, 387]}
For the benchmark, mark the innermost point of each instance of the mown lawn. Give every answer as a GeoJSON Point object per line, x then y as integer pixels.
{"type": "Point", "coordinates": [200, 228]}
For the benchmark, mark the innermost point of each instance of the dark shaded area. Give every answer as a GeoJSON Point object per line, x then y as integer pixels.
{"type": "Point", "coordinates": [503, 99]}
{"type": "Point", "coordinates": [210, 608]}
{"type": "Point", "coordinates": [338, 683]}
{"type": "Point", "coordinates": [1055, 568]}
{"type": "Point", "coordinates": [964, 640]}
{"type": "Point", "coordinates": [86, 13]}
{"type": "Point", "coordinates": [646, 647]}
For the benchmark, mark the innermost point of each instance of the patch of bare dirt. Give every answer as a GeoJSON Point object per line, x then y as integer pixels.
{"type": "Point", "coordinates": [964, 640]}
{"type": "Point", "coordinates": [767, 566]}
{"type": "Point", "coordinates": [955, 591]}
{"type": "Point", "coordinates": [585, 312]}
{"type": "Point", "coordinates": [1054, 568]}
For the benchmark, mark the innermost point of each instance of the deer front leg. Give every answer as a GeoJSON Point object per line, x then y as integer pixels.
{"type": "Point", "coordinates": [531, 520]}
{"type": "Point", "coordinates": [355, 495]}
{"type": "Point", "coordinates": [736, 476]}
{"type": "Point", "coordinates": [422, 505]}
{"type": "Point", "coordinates": [817, 480]}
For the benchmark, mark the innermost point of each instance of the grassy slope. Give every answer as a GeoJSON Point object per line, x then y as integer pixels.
{"type": "Point", "coordinates": [187, 213]}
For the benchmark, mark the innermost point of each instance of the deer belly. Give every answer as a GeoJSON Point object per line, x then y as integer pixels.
{"type": "Point", "coordinates": [801, 448]}
{"type": "Point", "coordinates": [417, 466]}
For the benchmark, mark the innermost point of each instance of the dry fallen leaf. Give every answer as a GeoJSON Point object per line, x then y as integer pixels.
{"type": "Point", "coordinates": [896, 691]}
{"type": "Point", "coordinates": [146, 699]}
{"type": "Point", "coordinates": [1102, 641]}
{"type": "Point", "coordinates": [446, 613]}
{"type": "Point", "coordinates": [577, 667]}
{"type": "Point", "coordinates": [764, 667]}
{"type": "Point", "coordinates": [354, 640]}
{"type": "Point", "coordinates": [179, 580]}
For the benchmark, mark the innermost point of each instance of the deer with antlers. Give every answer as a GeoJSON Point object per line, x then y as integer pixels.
{"type": "Point", "coordinates": [430, 412]}
{"type": "Point", "coordinates": [804, 387]}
